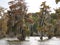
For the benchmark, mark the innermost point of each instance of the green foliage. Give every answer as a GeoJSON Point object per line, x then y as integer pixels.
{"type": "Point", "coordinates": [40, 20]}
{"type": "Point", "coordinates": [53, 16]}
{"type": "Point", "coordinates": [27, 32]}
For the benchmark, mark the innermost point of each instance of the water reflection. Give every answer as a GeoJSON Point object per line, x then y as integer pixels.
{"type": "Point", "coordinates": [31, 41]}
{"type": "Point", "coordinates": [34, 41]}
{"type": "Point", "coordinates": [3, 42]}
{"type": "Point", "coordinates": [53, 41]}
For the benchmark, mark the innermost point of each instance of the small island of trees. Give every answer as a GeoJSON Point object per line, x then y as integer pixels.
{"type": "Point", "coordinates": [16, 22]}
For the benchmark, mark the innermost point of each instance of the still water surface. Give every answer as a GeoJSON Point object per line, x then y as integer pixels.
{"type": "Point", "coordinates": [31, 41]}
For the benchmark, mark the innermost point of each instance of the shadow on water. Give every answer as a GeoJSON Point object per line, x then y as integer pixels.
{"type": "Point", "coordinates": [31, 41]}
{"type": "Point", "coordinates": [52, 41]}
{"type": "Point", "coordinates": [17, 42]}
{"type": "Point", "coordinates": [37, 41]}
{"type": "Point", "coordinates": [34, 41]}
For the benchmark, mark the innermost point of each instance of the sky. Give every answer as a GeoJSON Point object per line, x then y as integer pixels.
{"type": "Point", "coordinates": [33, 5]}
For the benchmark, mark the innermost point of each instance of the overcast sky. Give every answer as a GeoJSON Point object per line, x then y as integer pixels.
{"type": "Point", "coordinates": [33, 5]}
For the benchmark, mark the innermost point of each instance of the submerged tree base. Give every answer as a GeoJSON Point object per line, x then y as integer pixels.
{"type": "Point", "coordinates": [41, 38]}
{"type": "Point", "coordinates": [49, 37]}
{"type": "Point", "coordinates": [21, 38]}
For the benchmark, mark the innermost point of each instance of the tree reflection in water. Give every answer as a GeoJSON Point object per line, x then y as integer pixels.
{"type": "Point", "coordinates": [31, 41]}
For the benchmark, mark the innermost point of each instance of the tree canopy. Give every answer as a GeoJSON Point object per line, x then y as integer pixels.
{"type": "Point", "coordinates": [57, 1]}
